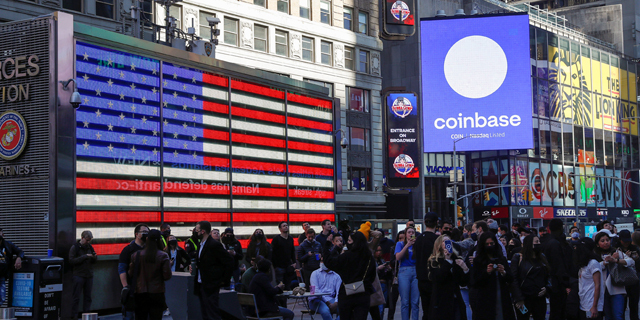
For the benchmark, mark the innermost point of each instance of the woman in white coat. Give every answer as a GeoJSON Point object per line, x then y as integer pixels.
{"type": "Point", "coordinates": [614, 296]}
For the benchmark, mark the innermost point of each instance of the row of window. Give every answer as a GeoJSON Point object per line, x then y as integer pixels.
{"type": "Point", "coordinates": [325, 13]}
{"type": "Point", "coordinates": [260, 43]}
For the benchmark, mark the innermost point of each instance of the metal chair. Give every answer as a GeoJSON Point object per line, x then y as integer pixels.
{"type": "Point", "coordinates": [249, 300]}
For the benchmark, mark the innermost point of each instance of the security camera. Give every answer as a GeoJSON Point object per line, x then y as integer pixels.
{"type": "Point", "coordinates": [344, 143]}
{"type": "Point", "coordinates": [213, 21]}
{"type": "Point", "coordinates": [75, 99]}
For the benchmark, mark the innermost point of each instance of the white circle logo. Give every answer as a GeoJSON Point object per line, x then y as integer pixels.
{"type": "Point", "coordinates": [475, 67]}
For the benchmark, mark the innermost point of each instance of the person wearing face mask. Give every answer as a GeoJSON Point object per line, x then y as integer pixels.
{"type": "Point", "coordinates": [574, 234]}
{"type": "Point", "coordinates": [614, 295]}
{"type": "Point", "coordinates": [309, 255]}
{"type": "Point", "coordinates": [325, 281]}
{"type": "Point", "coordinates": [233, 246]}
{"type": "Point", "coordinates": [258, 245]}
{"type": "Point", "coordinates": [192, 245]}
{"type": "Point", "coordinates": [178, 256]}
{"type": "Point", "coordinates": [165, 229]}
{"type": "Point", "coordinates": [490, 280]}
{"type": "Point", "coordinates": [140, 232]}
{"type": "Point", "coordinates": [523, 233]}
{"type": "Point", "coordinates": [558, 253]}
{"type": "Point", "coordinates": [530, 271]}
{"type": "Point", "coordinates": [82, 257]}
{"type": "Point", "coordinates": [447, 273]}
{"type": "Point", "coordinates": [514, 246]}
{"type": "Point", "coordinates": [633, 292]}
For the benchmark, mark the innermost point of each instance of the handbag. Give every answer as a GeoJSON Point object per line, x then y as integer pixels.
{"type": "Point", "coordinates": [377, 298]}
{"type": "Point", "coordinates": [395, 275]}
{"type": "Point", "coordinates": [623, 276]}
{"type": "Point", "coordinates": [358, 286]}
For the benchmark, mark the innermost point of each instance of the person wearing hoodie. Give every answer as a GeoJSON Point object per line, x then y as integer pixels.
{"type": "Point", "coordinates": [530, 273]}
{"type": "Point", "coordinates": [309, 255]}
{"type": "Point", "coordinates": [558, 253]}
{"type": "Point", "coordinates": [82, 257]}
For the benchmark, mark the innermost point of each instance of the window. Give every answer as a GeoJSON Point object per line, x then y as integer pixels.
{"type": "Point", "coordinates": [283, 6]}
{"type": "Point", "coordinates": [176, 13]}
{"type": "Point", "coordinates": [261, 3]}
{"type": "Point", "coordinates": [326, 53]}
{"type": "Point", "coordinates": [231, 31]}
{"type": "Point", "coordinates": [307, 49]}
{"type": "Point", "coordinates": [260, 38]}
{"type": "Point", "coordinates": [282, 43]}
{"type": "Point", "coordinates": [363, 65]}
{"type": "Point", "coordinates": [205, 30]}
{"type": "Point", "coordinates": [105, 8]}
{"type": "Point", "coordinates": [359, 139]}
{"type": "Point", "coordinates": [348, 18]}
{"type": "Point", "coordinates": [363, 22]}
{"type": "Point", "coordinates": [305, 8]}
{"type": "Point", "coordinates": [325, 11]}
{"type": "Point", "coordinates": [74, 5]}
{"type": "Point", "coordinates": [147, 12]}
{"type": "Point", "coordinates": [359, 179]}
{"type": "Point", "coordinates": [349, 56]}
{"type": "Point", "coordinates": [358, 100]}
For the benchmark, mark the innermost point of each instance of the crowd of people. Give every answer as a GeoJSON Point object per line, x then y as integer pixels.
{"type": "Point", "coordinates": [480, 271]}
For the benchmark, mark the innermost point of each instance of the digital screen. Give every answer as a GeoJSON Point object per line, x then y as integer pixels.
{"type": "Point", "coordinates": [404, 156]}
{"type": "Point", "coordinates": [590, 231]}
{"type": "Point", "coordinates": [222, 149]}
{"type": "Point", "coordinates": [477, 80]}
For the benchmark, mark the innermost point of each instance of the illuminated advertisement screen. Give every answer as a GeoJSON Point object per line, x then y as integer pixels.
{"type": "Point", "coordinates": [476, 83]}
{"type": "Point", "coordinates": [403, 158]}
{"type": "Point", "coordinates": [157, 141]}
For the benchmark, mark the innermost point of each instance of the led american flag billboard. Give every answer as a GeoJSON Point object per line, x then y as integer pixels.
{"type": "Point", "coordinates": [157, 141]}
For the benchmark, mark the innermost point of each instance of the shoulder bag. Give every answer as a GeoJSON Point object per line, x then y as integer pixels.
{"type": "Point", "coordinates": [623, 276]}
{"type": "Point", "coordinates": [358, 286]}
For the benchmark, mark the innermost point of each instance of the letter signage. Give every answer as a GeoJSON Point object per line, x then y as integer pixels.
{"type": "Point", "coordinates": [478, 84]}
{"type": "Point", "coordinates": [403, 148]}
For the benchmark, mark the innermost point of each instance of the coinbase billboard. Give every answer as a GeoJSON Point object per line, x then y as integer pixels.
{"type": "Point", "coordinates": [476, 82]}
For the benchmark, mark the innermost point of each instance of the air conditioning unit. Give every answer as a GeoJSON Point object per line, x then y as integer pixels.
{"type": "Point", "coordinates": [204, 47]}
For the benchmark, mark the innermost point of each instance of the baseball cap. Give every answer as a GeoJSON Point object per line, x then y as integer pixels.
{"type": "Point", "coordinates": [431, 216]}
{"type": "Point", "coordinates": [228, 230]}
{"type": "Point", "coordinates": [625, 235]}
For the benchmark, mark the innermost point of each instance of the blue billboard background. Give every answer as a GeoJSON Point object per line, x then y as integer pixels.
{"type": "Point", "coordinates": [476, 82]}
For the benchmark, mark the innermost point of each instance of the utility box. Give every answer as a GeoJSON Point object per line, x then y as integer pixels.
{"type": "Point", "coordinates": [36, 289]}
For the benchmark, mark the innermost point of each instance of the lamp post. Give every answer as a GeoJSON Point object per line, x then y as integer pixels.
{"type": "Point", "coordinates": [455, 179]}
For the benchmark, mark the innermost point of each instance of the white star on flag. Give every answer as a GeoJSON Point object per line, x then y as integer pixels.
{"type": "Point", "coordinates": [110, 127]}
{"type": "Point", "coordinates": [86, 145]}
{"type": "Point", "coordinates": [110, 147]}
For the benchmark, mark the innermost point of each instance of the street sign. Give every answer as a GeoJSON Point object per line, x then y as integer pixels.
{"type": "Point", "coordinates": [452, 175]}
{"type": "Point", "coordinates": [449, 192]}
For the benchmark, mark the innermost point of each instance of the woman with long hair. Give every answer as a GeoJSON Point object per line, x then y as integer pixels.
{"type": "Point", "coordinates": [407, 276]}
{"type": "Point", "coordinates": [490, 279]}
{"type": "Point", "coordinates": [354, 265]}
{"type": "Point", "coordinates": [614, 296]}
{"type": "Point", "coordinates": [514, 246]}
{"type": "Point", "coordinates": [394, 292]}
{"type": "Point", "coordinates": [179, 258]}
{"type": "Point", "coordinates": [590, 279]}
{"type": "Point", "coordinates": [258, 246]}
{"type": "Point", "coordinates": [447, 273]}
{"type": "Point", "coordinates": [530, 271]}
{"type": "Point", "coordinates": [151, 267]}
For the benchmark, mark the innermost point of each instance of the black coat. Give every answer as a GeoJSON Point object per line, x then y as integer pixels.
{"type": "Point", "coordinates": [9, 250]}
{"type": "Point", "coordinates": [484, 288]}
{"type": "Point", "coordinates": [264, 293]}
{"type": "Point", "coordinates": [81, 262]}
{"type": "Point", "coordinates": [215, 265]}
{"type": "Point", "coordinates": [558, 253]}
{"type": "Point", "coordinates": [422, 250]}
{"type": "Point", "coordinates": [351, 267]}
{"type": "Point", "coordinates": [182, 261]}
{"type": "Point", "coordinates": [529, 277]}
{"type": "Point", "coordinates": [446, 280]}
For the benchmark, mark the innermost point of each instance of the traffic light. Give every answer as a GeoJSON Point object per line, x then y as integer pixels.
{"type": "Point", "coordinates": [486, 196]}
{"type": "Point", "coordinates": [459, 210]}
{"type": "Point", "coordinates": [526, 194]}
{"type": "Point", "coordinates": [530, 197]}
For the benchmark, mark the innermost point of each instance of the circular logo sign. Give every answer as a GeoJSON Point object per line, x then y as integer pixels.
{"type": "Point", "coordinates": [403, 164]}
{"type": "Point", "coordinates": [400, 10]}
{"type": "Point", "coordinates": [13, 135]}
{"type": "Point", "coordinates": [402, 107]}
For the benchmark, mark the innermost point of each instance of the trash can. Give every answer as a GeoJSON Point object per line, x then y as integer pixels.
{"type": "Point", "coordinates": [36, 289]}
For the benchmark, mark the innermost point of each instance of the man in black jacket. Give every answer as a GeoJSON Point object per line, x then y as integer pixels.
{"type": "Point", "coordinates": [422, 250]}
{"type": "Point", "coordinates": [214, 268]}
{"type": "Point", "coordinates": [558, 253]}
{"type": "Point", "coordinates": [284, 255]}
{"type": "Point", "coordinates": [82, 257]}
{"type": "Point", "coordinates": [140, 233]}
{"type": "Point", "coordinates": [265, 293]}
{"type": "Point", "coordinates": [233, 246]}
{"type": "Point", "coordinates": [7, 264]}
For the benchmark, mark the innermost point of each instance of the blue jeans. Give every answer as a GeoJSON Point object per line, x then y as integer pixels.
{"type": "Point", "coordinates": [614, 306]}
{"type": "Point", "coordinates": [385, 292]}
{"type": "Point", "coordinates": [286, 313]}
{"type": "Point", "coordinates": [3, 291]}
{"type": "Point", "coordinates": [409, 293]}
{"type": "Point", "coordinates": [319, 306]}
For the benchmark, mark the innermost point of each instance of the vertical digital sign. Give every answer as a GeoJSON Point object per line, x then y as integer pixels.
{"type": "Point", "coordinates": [220, 149]}
{"type": "Point", "coordinates": [478, 83]}
{"type": "Point", "coordinates": [403, 144]}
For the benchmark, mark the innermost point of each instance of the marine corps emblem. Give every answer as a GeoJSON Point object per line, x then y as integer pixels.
{"type": "Point", "coordinates": [208, 48]}
{"type": "Point", "coordinates": [403, 164]}
{"type": "Point", "coordinates": [402, 107]}
{"type": "Point", "coordinates": [13, 135]}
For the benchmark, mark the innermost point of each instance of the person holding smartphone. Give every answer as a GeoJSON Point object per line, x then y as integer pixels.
{"type": "Point", "coordinates": [531, 274]}
{"type": "Point", "coordinates": [490, 281]}
{"type": "Point", "coordinates": [447, 273]}
{"type": "Point", "coordinates": [407, 277]}
{"type": "Point", "coordinates": [590, 283]}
